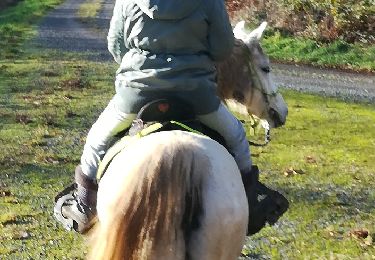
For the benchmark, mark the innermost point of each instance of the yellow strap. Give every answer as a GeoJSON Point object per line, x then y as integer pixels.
{"type": "Point", "coordinates": [120, 145]}
{"type": "Point", "coordinates": [126, 140]}
{"type": "Point", "coordinates": [186, 127]}
{"type": "Point", "coordinates": [150, 129]}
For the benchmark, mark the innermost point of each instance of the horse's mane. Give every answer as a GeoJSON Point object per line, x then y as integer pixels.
{"type": "Point", "coordinates": [234, 79]}
{"type": "Point", "coordinates": [159, 206]}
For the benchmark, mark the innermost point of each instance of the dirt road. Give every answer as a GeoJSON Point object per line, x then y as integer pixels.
{"type": "Point", "coordinates": [61, 29]}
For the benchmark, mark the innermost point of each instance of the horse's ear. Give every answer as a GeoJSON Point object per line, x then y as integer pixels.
{"type": "Point", "coordinates": [239, 31]}
{"type": "Point", "coordinates": [257, 33]}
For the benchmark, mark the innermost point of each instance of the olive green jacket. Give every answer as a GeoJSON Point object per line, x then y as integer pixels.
{"type": "Point", "coordinates": [168, 46]}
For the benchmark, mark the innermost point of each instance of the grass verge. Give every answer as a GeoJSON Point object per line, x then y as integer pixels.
{"type": "Point", "coordinates": [16, 24]}
{"type": "Point", "coordinates": [322, 160]}
{"type": "Point", "coordinates": [46, 106]}
{"type": "Point", "coordinates": [339, 54]}
{"type": "Point", "coordinates": [88, 11]}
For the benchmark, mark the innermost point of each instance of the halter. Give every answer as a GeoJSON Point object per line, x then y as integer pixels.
{"type": "Point", "coordinates": [251, 68]}
{"type": "Point", "coordinates": [266, 95]}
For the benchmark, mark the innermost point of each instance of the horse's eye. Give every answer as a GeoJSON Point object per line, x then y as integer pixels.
{"type": "Point", "coordinates": [266, 69]}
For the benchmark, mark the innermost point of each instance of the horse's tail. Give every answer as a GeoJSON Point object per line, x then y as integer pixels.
{"type": "Point", "coordinates": [159, 207]}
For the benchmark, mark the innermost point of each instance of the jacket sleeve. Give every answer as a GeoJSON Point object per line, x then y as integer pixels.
{"type": "Point", "coordinates": [220, 34]}
{"type": "Point", "coordinates": [115, 36]}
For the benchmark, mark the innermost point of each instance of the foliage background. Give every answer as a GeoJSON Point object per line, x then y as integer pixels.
{"type": "Point", "coordinates": [322, 20]}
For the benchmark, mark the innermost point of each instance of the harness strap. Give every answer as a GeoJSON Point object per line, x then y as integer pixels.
{"type": "Point", "coordinates": [120, 145]}
{"type": "Point", "coordinates": [183, 126]}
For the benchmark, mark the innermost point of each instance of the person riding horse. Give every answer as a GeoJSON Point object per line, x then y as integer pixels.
{"type": "Point", "coordinates": [164, 49]}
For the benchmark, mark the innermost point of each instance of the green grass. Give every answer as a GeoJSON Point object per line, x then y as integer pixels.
{"type": "Point", "coordinates": [45, 117]}
{"type": "Point", "coordinates": [332, 142]}
{"type": "Point", "coordinates": [16, 24]}
{"type": "Point", "coordinates": [90, 9]}
{"type": "Point", "coordinates": [338, 54]}
{"type": "Point", "coordinates": [49, 100]}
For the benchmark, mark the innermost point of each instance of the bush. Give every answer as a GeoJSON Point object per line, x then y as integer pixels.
{"type": "Point", "coordinates": [321, 20]}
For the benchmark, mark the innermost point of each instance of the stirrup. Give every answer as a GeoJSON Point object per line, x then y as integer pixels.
{"type": "Point", "coordinates": [60, 199]}
{"type": "Point", "coordinates": [72, 223]}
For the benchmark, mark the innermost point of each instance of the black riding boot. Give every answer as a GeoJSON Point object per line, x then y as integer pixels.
{"type": "Point", "coordinates": [265, 205]}
{"type": "Point", "coordinates": [81, 206]}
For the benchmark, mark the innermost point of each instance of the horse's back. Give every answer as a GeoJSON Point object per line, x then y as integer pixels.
{"type": "Point", "coordinates": [223, 221]}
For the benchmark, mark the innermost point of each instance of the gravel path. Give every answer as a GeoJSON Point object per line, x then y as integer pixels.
{"type": "Point", "coordinates": [345, 85]}
{"type": "Point", "coordinates": [62, 30]}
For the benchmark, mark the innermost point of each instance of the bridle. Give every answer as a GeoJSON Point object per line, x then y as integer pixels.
{"type": "Point", "coordinates": [266, 94]}
{"type": "Point", "coordinates": [253, 73]}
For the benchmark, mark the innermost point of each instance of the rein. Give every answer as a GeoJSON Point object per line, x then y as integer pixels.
{"type": "Point", "coordinates": [267, 131]}
{"type": "Point", "coordinates": [266, 94]}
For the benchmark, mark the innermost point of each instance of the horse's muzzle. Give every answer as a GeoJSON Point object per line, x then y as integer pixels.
{"type": "Point", "coordinates": [276, 118]}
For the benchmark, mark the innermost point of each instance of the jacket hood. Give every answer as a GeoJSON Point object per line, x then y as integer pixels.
{"type": "Point", "coordinates": [168, 9]}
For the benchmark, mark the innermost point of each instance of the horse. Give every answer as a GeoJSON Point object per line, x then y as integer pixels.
{"type": "Point", "coordinates": [178, 194]}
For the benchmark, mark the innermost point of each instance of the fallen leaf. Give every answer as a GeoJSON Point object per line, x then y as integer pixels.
{"type": "Point", "coordinates": [24, 119]}
{"type": "Point", "coordinates": [359, 233]}
{"type": "Point", "coordinates": [310, 159]}
{"type": "Point", "coordinates": [51, 160]}
{"type": "Point", "coordinates": [21, 235]}
{"type": "Point", "coordinates": [368, 241]}
{"type": "Point", "coordinates": [24, 235]}
{"type": "Point", "coordinates": [291, 172]}
{"type": "Point", "coordinates": [300, 171]}
{"type": "Point", "coordinates": [5, 193]}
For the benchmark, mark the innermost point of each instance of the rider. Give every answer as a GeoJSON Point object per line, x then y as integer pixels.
{"type": "Point", "coordinates": [164, 48]}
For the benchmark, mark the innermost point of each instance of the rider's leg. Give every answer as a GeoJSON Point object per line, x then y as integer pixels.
{"type": "Point", "coordinates": [233, 132]}
{"type": "Point", "coordinates": [110, 122]}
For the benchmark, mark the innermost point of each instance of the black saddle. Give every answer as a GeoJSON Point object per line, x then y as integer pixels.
{"type": "Point", "coordinates": [167, 110]}
{"type": "Point", "coordinates": [163, 110]}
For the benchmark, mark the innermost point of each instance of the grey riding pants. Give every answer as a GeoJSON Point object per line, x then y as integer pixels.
{"type": "Point", "coordinates": [112, 121]}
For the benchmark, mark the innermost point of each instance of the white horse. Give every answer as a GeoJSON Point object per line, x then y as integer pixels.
{"type": "Point", "coordinates": [244, 80]}
{"type": "Point", "coordinates": [179, 195]}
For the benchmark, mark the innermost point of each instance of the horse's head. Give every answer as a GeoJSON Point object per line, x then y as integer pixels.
{"type": "Point", "coordinates": [245, 77]}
